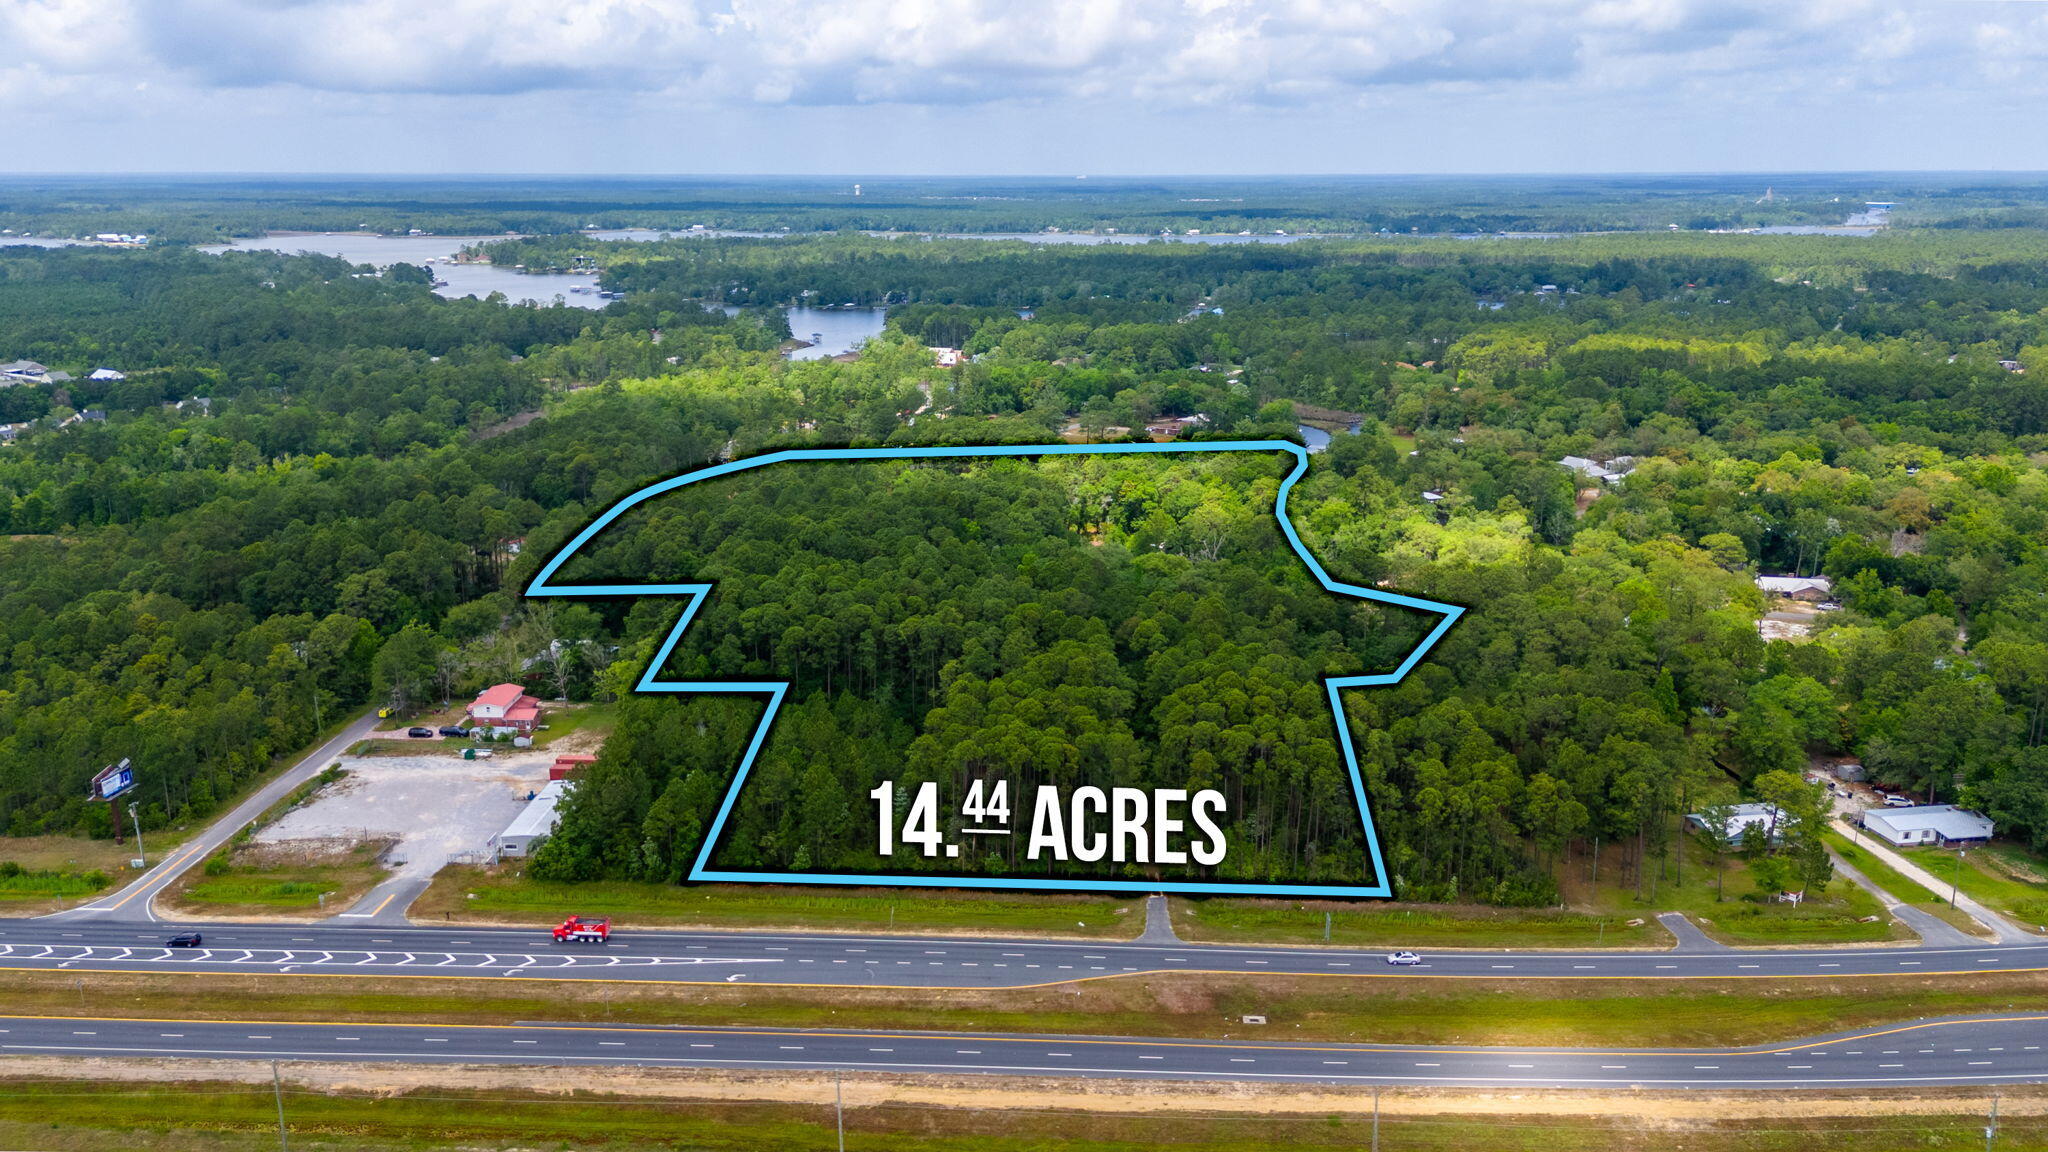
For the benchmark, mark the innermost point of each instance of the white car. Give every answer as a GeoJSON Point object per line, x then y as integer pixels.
{"type": "Point", "coordinates": [1900, 802]}
{"type": "Point", "coordinates": [1403, 958]}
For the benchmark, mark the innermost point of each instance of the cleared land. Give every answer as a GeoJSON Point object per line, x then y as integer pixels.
{"type": "Point", "coordinates": [504, 895]}
{"type": "Point", "coordinates": [316, 876]}
{"type": "Point", "coordinates": [1577, 1013]}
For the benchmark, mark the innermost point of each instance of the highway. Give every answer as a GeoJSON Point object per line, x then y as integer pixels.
{"type": "Point", "coordinates": [891, 961]}
{"type": "Point", "coordinates": [1995, 1050]}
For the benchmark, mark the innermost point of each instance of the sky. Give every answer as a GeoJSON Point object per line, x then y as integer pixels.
{"type": "Point", "coordinates": [1016, 87]}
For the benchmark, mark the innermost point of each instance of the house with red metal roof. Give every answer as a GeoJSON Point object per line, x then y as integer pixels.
{"type": "Point", "coordinates": [505, 708]}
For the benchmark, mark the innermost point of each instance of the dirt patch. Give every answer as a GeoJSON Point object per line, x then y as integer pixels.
{"type": "Point", "coordinates": [311, 853]}
{"type": "Point", "coordinates": [510, 424]}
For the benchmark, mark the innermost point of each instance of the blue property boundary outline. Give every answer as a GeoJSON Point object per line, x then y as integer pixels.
{"type": "Point", "coordinates": [775, 690]}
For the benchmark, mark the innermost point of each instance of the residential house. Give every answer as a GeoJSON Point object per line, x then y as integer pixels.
{"type": "Point", "coordinates": [1607, 472]}
{"type": "Point", "coordinates": [1811, 589]}
{"type": "Point", "coordinates": [107, 376]}
{"type": "Point", "coordinates": [1765, 819]}
{"type": "Point", "coordinates": [503, 709]}
{"type": "Point", "coordinates": [1927, 824]}
{"type": "Point", "coordinates": [23, 372]}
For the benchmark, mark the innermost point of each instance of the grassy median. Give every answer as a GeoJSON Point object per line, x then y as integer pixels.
{"type": "Point", "coordinates": [238, 1116]}
{"type": "Point", "coordinates": [1573, 1012]}
{"type": "Point", "coordinates": [502, 895]}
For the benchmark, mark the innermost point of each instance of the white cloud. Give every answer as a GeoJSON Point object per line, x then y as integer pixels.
{"type": "Point", "coordinates": [947, 52]}
{"type": "Point", "coordinates": [930, 85]}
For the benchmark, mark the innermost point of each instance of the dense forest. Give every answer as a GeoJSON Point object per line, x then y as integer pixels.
{"type": "Point", "coordinates": [193, 584]}
{"type": "Point", "coordinates": [196, 210]}
{"type": "Point", "coordinates": [1097, 621]}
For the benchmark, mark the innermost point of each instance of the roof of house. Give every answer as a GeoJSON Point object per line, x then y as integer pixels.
{"type": "Point", "coordinates": [538, 818]}
{"type": "Point", "coordinates": [27, 367]}
{"type": "Point", "coordinates": [1948, 821]}
{"type": "Point", "coordinates": [527, 710]}
{"type": "Point", "coordinates": [1743, 816]}
{"type": "Point", "coordinates": [499, 696]}
{"type": "Point", "coordinates": [1786, 585]}
{"type": "Point", "coordinates": [1623, 465]}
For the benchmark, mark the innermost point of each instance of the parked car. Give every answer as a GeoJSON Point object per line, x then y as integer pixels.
{"type": "Point", "coordinates": [454, 730]}
{"type": "Point", "coordinates": [1403, 958]}
{"type": "Point", "coordinates": [417, 733]}
{"type": "Point", "coordinates": [1900, 802]}
{"type": "Point", "coordinates": [184, 940]}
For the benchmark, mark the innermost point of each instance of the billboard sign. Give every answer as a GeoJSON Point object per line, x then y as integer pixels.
{"type": "Point", "coordinates": [113, 780]}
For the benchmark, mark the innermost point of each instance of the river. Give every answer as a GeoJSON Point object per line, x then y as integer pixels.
{"type": "Point", "coordinates": [461, 279]}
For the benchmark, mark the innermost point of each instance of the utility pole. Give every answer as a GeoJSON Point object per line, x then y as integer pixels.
{"type": "Point", "coordinates": [839, 1109]}
{"type": "Point", "coordinates": [1991, 1129]}
{"type": "Point", "coordinates": [1375, 1118]}
{"type": "Point", "coordinates": [1326, 927]}
{"type": "Point", "coordinates": [1955, 876]}
{"type": "Point", "coordinates": [277, 1086]}
{"type": "Point", "coordinates": [137, 821]}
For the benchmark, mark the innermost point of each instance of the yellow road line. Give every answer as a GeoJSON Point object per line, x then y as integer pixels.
{"type": "Point", "coordinates": [145, 883]}
{"type": "Point", "coordinates": [1922, 974]}
{"type": "Point", "coordinates": [1203, 1045]}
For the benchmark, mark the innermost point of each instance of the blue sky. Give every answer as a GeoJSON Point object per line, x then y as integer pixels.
{"type": "Point", "coordinates": [1045, 87]}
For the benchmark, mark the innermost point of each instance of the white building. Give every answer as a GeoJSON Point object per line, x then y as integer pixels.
{"type": "Point", "coordinates": [1927, 824]}
{"type": "Point", "coordinates": [535, 821]}
{"type": "Point", "coordinates": [1797, 587]}
{"type": "Point", "coordinates": [107, 374]}
{"type": "Point", "coordinates": [1767, 819]}
{"type": "Point", "coordinates": [1609, 472]}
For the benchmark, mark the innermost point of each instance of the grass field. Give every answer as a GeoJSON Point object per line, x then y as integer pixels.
{"type": "Point", "coordinates": [1234, 921]}
{"type": "Point", "coordinates": [31, 886]}
{"type": "Point", "coordinates": [1900, 886]}
{"type": "Point", "coordinates": [460, 893]}
{"type": "Point", "coordinates": [2003, 877]}
{"type": "Point", "coordinates": [255, 884]}
{"type": "Point", "coordinates": [1714, 898]}
{"type": "Point", "coordinates": [233, 1116]}
{"type": "Point", "coordinates": [1588, 1013]}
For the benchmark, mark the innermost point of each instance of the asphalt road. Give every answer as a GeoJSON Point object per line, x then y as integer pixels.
{"type": "Point", "coordinates": [894, 961]}
{"type": "Point", "coordinates": [1957, 1052]}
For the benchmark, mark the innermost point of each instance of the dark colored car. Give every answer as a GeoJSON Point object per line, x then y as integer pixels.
{"type": "Point", "coordinates": [183, 940]}
{"type": "Point", "coordinates": [418, 732]}
{"type": "Point", "coordinates": [454, 730]}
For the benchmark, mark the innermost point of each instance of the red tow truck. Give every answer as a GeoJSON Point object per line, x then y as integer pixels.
{"type": "Point", "coordinates": [577, 930]}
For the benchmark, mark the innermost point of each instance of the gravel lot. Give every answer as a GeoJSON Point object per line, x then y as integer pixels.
{"type": "Point", "coordinates": [436, 806]}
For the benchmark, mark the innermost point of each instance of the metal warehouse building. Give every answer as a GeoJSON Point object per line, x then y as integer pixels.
{"type": "Point", "coordinates": [534, 822]}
